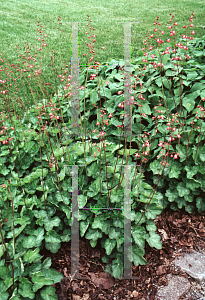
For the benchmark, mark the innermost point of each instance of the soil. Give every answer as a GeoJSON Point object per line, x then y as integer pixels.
{"type": "Point", "coordinates": [179, 231]}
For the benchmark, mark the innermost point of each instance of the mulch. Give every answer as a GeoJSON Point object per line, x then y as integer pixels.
{"type": "Point", "coordinates": [179, 231]}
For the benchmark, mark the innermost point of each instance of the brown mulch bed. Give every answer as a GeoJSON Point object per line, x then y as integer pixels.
{"type": "Point", "coordinates": [179, 231]}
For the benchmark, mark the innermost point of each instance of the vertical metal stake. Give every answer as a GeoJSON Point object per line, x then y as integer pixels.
{"type": "Point", "coordinates": [127, 224]}
{"type": "Point", "coordinates": [75, 81]}
{"type": "Point", "coordinates": [75, 226]}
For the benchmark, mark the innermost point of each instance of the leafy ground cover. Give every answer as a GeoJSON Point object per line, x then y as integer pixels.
{"type": "Point", "coordinates": [179, 231]}
{"type": "Point", "coordinates": [38, 152]}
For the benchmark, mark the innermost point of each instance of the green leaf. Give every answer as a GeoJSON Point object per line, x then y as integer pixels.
{"type": "Point", "coordinates": [5, 171]}
{"type": "Point", "coordinates": [53, 275]}
{"type": "Point", "coordinates": [171, 195]}
{"type": "Point", "coordinates": [28, 146]}
{"type": "Point", "coordinates": [59, 151]}
{"type": "Point", "coordinates": [48, 293]}
{"type": "Point", "coordinates": [4, 272]}
{"type": "Point", "coordinates": [83, 214]}
{"type": "Point", "coordinates": [175, 170]}
{"type": "Point", "coordinates": [202, 94]}
{"type": "Point", "coordinates": [119, 242]}
{"type": "Point", "coordinates": [165, 59]}
{"type": "Point", "coordinates": [158, 81]}
{"type": "Point", "coordinates": [180, 202]}
{"type": "Point", "coordinates": [140, 52]}
{"type": "Point", "coordinates": [117, 269]}
{"type": "Point", "coordinates": [66, 236]}
{"type": "Point", "coordinates": [17, 231]}
{"type": "Point", "coordinates": [153, 210]}
{"type": "Point", "coordinates": [93, 234]}
{"type": "Point", "coordinates": [108, 269]}
{"type": "Point", "coordinates": [202, 153]}
{"type": "Point", "coordinates": [138, 216]}
{"type": "Point", "coordinates": [94, 97]}
{"type": "Point", "coordinates": [182, 189]}
{"type": "Point", "coordinates": [25, 288]}
{"type": "Point", "coordinates": [93, 243]}
{"type": "Point", "coordinates": [151, 225]}
{"type": "Point", "coordinates": [49, 223]}
{"type": "Point", "coordinates": [53, 247]}
{"type": "Point", "coordinates": [153, 240]}
{"type": "Point", "coordinates": [32, 255]}
{"type": "Point", "coordinates": [82, 200]}
{"type": "Point", "coordinates": [188, 102]}
{"type": "Point", "coordinates": [106, 223]}
{"type": "Point", "coordinates": [40, 214]}
{"type": "Point", "coordinates": [105, 259]}
{"type": "Point", "coordinates": [155, 166]}
{"type": "Point", "coordinates": [39, 281]}
{"type": "Point", "coordinates": [81, 79]}
{"type": "Point", "coordinates": [145, 109]}
{"type": "Point", "coordinates": [137, 256]}
{"type": "Point", "coordinates": [16, 297]}
{"type": "Point", "coordinates": [64, 198]}
{"type": "Point", "coordinates": [61, 175]}
{"type": "Point", "coordinates": [78, 148]}
{"type": "Point", "coordinates": [159, 93]}
{"type": "Point", "coordinates": [39, 233]}
{"type": "Point", "coordinates": [4, 285]}
{"type": "Point", "coordinates": [189, 198]}
{"type": "Point", "coordinates": [114, 233]}
{"type": "Point", "coordinates": [46, 264]}
{"type": "Point", "coordinates": [118, 223]}
{"type": "Point", "coordinates": [197, 86]}
{"type": "Point", "coordinates": [139, 235]}
{"type": "Point", "coordinates": [191, 171]}
{"type": "Point", "coordinates": [190, 208]}
{"type": "Point", "coordinates": [126, 151]}
{"type": "Point", "coordinates": [184, 152]}
{"type": "Point", "coordinates": [114, 88]}
{"type": "Point", "coordinates": [33, 119]}
{"type": "Point", "coordinates": [2, 249]}
{"type": "Point", "coordinates": [34, 175]}
{"type": "Point", "coordinates": [200, 204]}
{"type": "Point", "coordinates": [83, 227]}
{"type": "Point", "coordinates": [192, 75]}
{"type": "Point", "coordinates": [109, 245]}
{"type": "Point", "coordinates": [98, 223]}
{"type": "Point", "coordinates": [29, 241]}
{"type": "Point", "coordinates": [52, 237]}
{"type": "Point", "coordinates": [201, 178]}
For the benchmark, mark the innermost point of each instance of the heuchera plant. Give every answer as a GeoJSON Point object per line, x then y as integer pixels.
{"type": "Point", "coordinates": [37, 152]}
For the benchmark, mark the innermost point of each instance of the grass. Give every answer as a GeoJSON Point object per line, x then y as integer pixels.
{"type": "Point", "coordinates": [19, 26]}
